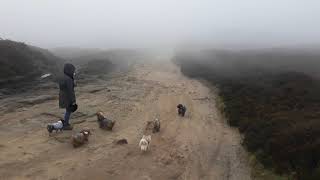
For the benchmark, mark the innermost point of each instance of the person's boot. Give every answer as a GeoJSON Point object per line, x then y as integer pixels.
{"type": "Point", "coordinates": [66, 126]}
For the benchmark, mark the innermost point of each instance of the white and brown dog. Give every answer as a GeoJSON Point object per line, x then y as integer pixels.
{"type": "Point", "coordinates": [145, 143]}
{"type": "Point", "coordinates": [80, 138]}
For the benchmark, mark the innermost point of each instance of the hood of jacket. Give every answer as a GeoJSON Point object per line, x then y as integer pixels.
{"type": "Point", "coordinates": [69, 70]}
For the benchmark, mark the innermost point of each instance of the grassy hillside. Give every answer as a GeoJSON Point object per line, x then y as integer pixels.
{"type": "Point", "coordinates": [273, 98]}
{"type": "Point", "coordinates": [21, 63]}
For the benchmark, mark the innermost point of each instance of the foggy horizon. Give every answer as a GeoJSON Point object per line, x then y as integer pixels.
{"type": "Point", "coordinates": [144, 24]}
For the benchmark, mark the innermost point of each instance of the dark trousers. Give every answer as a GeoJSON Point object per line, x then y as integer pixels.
{"type": "Point", "coordinates": [67, 115]}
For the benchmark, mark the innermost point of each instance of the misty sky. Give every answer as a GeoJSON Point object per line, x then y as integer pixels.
{"type": "Point", "coordinates": [144, 23]}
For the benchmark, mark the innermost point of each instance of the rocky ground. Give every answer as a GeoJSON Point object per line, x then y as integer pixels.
{"type": "Point", "coordinates": [198, 146]}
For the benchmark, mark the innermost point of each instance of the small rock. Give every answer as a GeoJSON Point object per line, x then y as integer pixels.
{"type": "Point", "coordinates": [45, 76]}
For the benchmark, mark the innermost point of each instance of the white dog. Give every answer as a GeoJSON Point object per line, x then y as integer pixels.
{"type": "Point", "coordinates": [145, 142]}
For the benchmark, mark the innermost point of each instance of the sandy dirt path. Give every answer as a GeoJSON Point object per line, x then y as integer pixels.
{"type": "Point", "coordinates": [198, 146]}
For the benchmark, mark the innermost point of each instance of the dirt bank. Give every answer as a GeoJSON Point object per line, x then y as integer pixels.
{"type": "Point", "coordinates": [198, 146]}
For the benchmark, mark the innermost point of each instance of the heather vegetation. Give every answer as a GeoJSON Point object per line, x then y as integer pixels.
{"type": "Point", "coordinates": [22, 65]}
{"type": "Point", "coordinates": [273, 98]}
{"type": "Point", "coordinates": [20, 60]}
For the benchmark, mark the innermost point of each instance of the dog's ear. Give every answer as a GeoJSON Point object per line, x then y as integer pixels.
{"type": "Point", "coordinates": [99, 116]}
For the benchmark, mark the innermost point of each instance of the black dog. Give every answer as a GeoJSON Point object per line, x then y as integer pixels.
{"type": "Point", "coordinates": [181, 110]}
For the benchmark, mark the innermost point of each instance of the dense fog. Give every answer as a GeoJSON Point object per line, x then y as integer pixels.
{"type": "Point", "coordinates": [162, 23]}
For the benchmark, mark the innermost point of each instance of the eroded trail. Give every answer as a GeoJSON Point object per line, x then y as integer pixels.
{"type": "Point", "coordinates": [198, 146]}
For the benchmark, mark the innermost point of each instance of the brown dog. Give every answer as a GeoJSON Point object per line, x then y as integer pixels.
{"type": "Point", "coordinates": [103, 122]}
{"type": "Point", "coordinates": [153, 126]}
{"type": "Point", "coordinates": [156, 125]}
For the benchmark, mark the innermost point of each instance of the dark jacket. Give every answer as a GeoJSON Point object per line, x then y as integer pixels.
{"type": "Point", "coordinates": [66, 85]}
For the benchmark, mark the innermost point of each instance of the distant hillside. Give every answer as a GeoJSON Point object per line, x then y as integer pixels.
{"type": "Point", "coordinates": [23, 63]}
{"type": "Point", "coordinates": [72, 52]}
{"type": "Point", "coordinates": [93, 64]}
{"type": "Point", "coordinates": [235, 63]}
{"type": "Point", "coordinates": [120, 57]}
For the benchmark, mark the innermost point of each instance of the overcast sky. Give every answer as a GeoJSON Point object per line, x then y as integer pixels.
{"type": "Point", "coordinates": [145, 23]}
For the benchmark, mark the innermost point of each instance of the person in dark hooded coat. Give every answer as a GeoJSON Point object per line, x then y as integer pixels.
{"type": "Point", "coordinates": [67, 98]}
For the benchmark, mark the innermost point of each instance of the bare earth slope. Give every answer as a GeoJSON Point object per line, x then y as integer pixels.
{"type": "Point", "coordinates": [198, 146]}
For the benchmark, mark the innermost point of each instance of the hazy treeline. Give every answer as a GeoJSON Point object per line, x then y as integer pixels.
{"type": "Point", "coordinates": [273, 97]}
